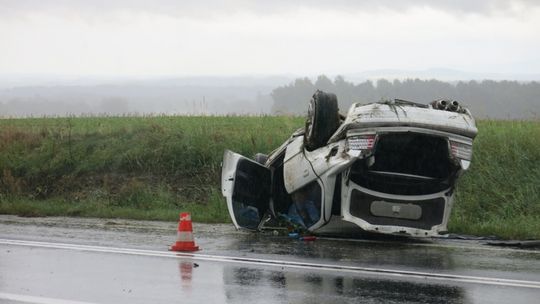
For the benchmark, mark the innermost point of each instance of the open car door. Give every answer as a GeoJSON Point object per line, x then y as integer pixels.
{"type": "Point", "coordinates": [246, 186]}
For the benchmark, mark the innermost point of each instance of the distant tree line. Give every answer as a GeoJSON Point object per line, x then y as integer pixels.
{"type": "Point", "coordinates": [486, 99]}
{"type": "Point", "coordinates": [135, 99]}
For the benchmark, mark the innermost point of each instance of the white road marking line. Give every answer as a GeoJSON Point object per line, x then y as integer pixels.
{"type": "Point", "coordinates": [37, 300]}
{"type": "Point", "coordinates": [288, 264]}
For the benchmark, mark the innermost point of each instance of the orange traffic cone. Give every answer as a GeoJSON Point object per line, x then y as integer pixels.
{"type": "Point", "coordinates": [185, 240]}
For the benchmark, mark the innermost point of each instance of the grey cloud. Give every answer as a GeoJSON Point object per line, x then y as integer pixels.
{"type": "Point", "coordinates": [200, 8]}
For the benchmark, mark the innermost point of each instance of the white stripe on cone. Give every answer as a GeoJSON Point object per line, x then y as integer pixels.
{"type": "Point", "coordinates": [185, 236]}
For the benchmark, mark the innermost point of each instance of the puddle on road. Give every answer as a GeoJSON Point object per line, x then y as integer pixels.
{"type": "Point", "coordinates": [248, 285]}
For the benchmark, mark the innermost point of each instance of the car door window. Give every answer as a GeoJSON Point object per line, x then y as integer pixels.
{"type": "Point", "coordinates": [306, 207]}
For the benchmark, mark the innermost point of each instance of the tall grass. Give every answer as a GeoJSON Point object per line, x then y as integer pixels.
{"type": "Point", "coordinates": [151, 167]}
{"type": "Point", "coordinates": [135, 167]}
{"type": "Point", "coordinates": [501, 193]}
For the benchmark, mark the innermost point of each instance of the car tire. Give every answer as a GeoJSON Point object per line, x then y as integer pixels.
{"type": "Point", "coordinates": [322, 120]}
{"type": "Point", "coordinates": [261, 158]}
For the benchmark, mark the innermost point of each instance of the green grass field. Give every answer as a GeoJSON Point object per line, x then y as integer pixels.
{"type": "Point", "coordinates": [154, 167]}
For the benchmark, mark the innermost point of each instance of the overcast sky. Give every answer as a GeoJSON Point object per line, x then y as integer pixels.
{"type": "Point", "coordinates": [235, 37]}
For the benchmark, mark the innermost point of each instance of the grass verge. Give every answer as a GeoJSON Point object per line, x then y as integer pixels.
{"type": "Point", "coordinates": [154, 167]}
{"type": "Point", "coordinates": [215, 211]}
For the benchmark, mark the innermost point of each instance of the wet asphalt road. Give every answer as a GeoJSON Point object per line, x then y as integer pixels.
{"type": "Point", "coordinates": [63, 260]}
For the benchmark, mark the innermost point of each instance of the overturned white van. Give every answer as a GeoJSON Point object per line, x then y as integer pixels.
{"type": "Point", "coordinates": [387, 167]}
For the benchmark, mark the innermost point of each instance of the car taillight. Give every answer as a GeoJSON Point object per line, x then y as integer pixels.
{"type": "Point", "coordinates": [361, 142]}
{"type": "Point", "coordinates": [461, 150]}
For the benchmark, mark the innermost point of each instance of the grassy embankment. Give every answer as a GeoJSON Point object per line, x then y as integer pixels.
{"type": "Point", "coordinates": [153, 167]}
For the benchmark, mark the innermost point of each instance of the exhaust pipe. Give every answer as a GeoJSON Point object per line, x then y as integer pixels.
{"type": "Point", "coordinates": [440, 104]}
{"type": "Point", "coordinates": [454, 106]}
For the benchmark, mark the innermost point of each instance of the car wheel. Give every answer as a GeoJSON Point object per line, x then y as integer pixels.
{"type": "Point", "coordinates": [322, 120]}
{"type": "Point", "coordinates": [261, 158]}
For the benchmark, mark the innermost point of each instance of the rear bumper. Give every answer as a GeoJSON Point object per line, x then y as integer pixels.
{"type": "Point", "coordinates": [418, 216]}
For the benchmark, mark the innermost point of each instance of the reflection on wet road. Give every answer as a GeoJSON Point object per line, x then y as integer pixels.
{"type": "Point", "coordinates": [124, 261]}
{"type": "Point", "coordinates": [294, 287]}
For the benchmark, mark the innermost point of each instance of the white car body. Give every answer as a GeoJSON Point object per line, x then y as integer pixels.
{"type": "Point", "coordinates": [390, 168]}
